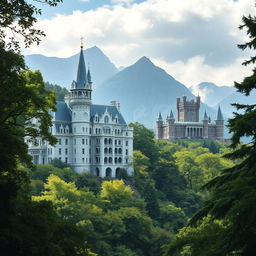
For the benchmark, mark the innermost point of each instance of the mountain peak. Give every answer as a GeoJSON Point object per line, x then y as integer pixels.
{"type": "Point", "coordinates": [144, 60]}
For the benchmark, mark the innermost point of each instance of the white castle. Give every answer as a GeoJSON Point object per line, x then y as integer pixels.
{"type": "Point", "coordinates": [91, 138]}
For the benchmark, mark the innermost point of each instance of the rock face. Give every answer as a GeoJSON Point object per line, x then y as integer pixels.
{"type": "Point", "coordinates": [143, 90]}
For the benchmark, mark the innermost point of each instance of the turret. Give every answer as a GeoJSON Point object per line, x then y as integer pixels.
{"type": "Point", "coordinates": [219, 125]}
{"type": "Point", "coordinates": [159, 127]}
{"type": "Point", "coordinates": [205, 126]}
{"type": "Point", "coordinates": [81, 88]}
{"type": "Point", "coordinates": [171, 128]}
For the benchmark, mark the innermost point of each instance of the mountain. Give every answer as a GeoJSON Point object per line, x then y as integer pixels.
{"type": "Point", "coordinates": [236, 97]}
{"type": "Point", "coordinates": [211, 93]}
{"type": "Point", "coordinates": [62, 71]}
{"type": "Point", "coordinates": [144, 90]}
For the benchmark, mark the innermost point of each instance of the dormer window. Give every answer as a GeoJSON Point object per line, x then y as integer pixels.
{"type": "Point", "coordinates": [106, 119]}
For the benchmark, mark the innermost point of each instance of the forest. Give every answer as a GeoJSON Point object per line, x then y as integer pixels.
{"type": "Point", "coordinates": [138, 214]}
{"type": "Point", "coordinates": [189, 198]}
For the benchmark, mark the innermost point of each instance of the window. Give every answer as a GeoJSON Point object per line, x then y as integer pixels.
{"type": "Point", "coordinates": [83, 160]}
{"type": "Point", "coordinates": [83, 141]}
{"type": "Point", "coordinates": [66, 151]}
{"type": "Point", "coordinates": [120, 151]}
{"type": "Point", "coordinates": [106, 120]}
{"type": "Point", "coordinates": [66, 159]}
{"type": "Point", "coordinates": [119, 142]}
{"type": "Point", "coordinates": [126, 161]}
{"type": "Point", "coordinates": [83, 151]}
{"type": "Point", "coordinates": [126, 151]}
{"type": "Point", "coordinates": [66, 141]}
{"type": "Point", "coordinates": [59, 141]}
{"type": "Point", "coordinates": [59, 151]}
{"type": "Point", "coordinates": [126, 143]}
{"type": "Point", "coordinates": [83, 129]}
{"type": "Point", "coordinates": [105, 160]}
{"type": "Point", "coordinates": [105, 141]}
{"type": "Point", "coordinates": [86, 141]}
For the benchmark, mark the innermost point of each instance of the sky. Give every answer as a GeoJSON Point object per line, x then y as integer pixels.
{"type": "Point", "coordinates": [193, 40]}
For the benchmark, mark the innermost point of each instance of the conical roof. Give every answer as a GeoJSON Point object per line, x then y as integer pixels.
{"type": "Point", "coordinates": [205, 116]}
{"type": "Point", "coordinates": [219, 115]}
{"type": "Point", "coordinates": [160, 117]}
{"type": "Point", "coordinates": [81, 78]}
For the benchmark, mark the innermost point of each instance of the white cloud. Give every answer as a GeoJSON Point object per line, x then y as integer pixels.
{"type": "Point", "coordinates": [85, 1]}
{"type": "Point", "coordinates": [195, 71]}
{"type": "Point", "coordinates": [194, 39]}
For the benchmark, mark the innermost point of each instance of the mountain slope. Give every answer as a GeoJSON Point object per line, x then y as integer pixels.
{"type": "Point", "coordinates": [211, 93]}
{"type": "Point", "coordinates": [62, 71]}
{"type": "Point", "coordinates": [143, 90]}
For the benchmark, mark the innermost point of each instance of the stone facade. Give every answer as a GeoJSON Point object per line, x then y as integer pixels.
{"type": "Point", "coordinates": [188, 125]}
{"type": "Point", "coordinates": [91, 138]}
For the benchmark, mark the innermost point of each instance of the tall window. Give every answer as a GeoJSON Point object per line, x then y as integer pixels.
{"type": "Point", "coordinates": [106, 119]}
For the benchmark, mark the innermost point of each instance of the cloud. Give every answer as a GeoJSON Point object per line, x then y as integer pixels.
{"type": "Point", "coordinates": [85, 1]}
{"type": "Point", "coordinates": [195, 70]}
{"type": "Point", "coordinates": [184, 33]}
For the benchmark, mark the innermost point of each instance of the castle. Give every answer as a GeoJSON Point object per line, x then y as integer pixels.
{"type": "Point", "coordinates": [188, 125]}
{"type": "Point", "coordinates": [91, 138]}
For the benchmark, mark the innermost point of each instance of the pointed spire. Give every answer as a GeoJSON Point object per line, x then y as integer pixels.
{"type": "Point", "coordinates": [219, 115]}
{"type": "Point", "coordinates": [81, 71]}
{"type": "Point", "coordinates": [160, 117]}
{"type": "Point", "coordinates": [171, 115]}
{"type": "Point", "coordinates": [89, 78]}
{"type": "Point", "coordinates": [209, 119]}
{"type": "Point", "coordinates": [205, 116]}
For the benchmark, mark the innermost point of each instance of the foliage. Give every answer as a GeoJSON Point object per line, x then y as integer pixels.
{"type": "Point", "coordinates": [60, 92]}
{"type": "Point", "coordinates": [17, 18]}
{"type": "Point", "coordinates": [230, 211]}
{"type": "Point", "coordinates": [21, 101]}
{"type": "Point", "coordinates": [33, 228]}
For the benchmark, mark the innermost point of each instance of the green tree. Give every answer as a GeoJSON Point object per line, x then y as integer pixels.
{"type": "Point", "coordinates": [60, 92]}
{"type": "Point", "coordinates": [143, 140]}
{"type": "Point", "coordinates": [117, 195]}
{"type": "Point", "coordinates": [185, 160]}
{"type": "Point", "coordinates": [17, 19]}
{"type": "Point", "coordinates": [23, 98]}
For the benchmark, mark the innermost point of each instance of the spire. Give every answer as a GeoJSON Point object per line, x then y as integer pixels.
{"type": "Point", "coordinates": [205, 116]}
{"type": "Point", "coordinates": [89, 79]}
{"type": "Point", "coordinates": [209, 119]}
{"type": "Point", "coordinates": [81, 71]}
{"type": "Point", "coordinates": [171, 115]}
{"type": "Point", "coordinates": [219, 115]}
{"type": "Point", "coordinates": [160, 117]}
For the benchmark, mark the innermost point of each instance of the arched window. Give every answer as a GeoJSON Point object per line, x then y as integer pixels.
{"type": "Point", "coordinates": [97, 172]}
{"type": "Point", "coordinates": [105, 160]}
{"type": "Point", "coordinates": [115, 150]}
{"type": "Point", "coordinates": [110, 150]}
{"type": "Point", "coordinates": [115, 160]}
{"type": "Point", "coordinates": [118, 171]}
{"type": "Point", "coordinates": [108, 172]}
{"type": "Point", "coordinates": [120, 160]}
{"type": "Point", "coordinates": [120, 151]}
{"type": "Point", "coordinates": [110, 160]}
{"type": "Point", "coordinates": [106, 119]}
{"type": "Point", "coordinates": [105, 141]}
{"type": "Point", "coordinates": [110, 141]}
{"type": "Point", "coordinates": [105, 150]}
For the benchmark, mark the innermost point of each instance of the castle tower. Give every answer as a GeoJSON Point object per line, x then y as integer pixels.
{"type": "Point", "coordinates": [159, 127]}
{"type": "Point", "coordinates": [205, 126]}
{"type": "Point", "coordinates": [219, 125]}
{"type": "Point", "coordinates": [79, 103]}
{"type": "Point", "coordinates": [188, 111]}
{"type": "Point", "coordinates": [171, 128]}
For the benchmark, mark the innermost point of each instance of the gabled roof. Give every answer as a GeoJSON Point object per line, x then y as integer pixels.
{"type": "Point", "coordinates": [112, 110]}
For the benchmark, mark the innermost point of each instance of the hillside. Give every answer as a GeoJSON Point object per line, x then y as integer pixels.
{"type": "Point", "coordinates": [62, 71]}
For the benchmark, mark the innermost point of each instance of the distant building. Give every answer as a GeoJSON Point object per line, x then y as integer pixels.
{"type": "Point", "coordinates": [91, 138]}
{"type": "Point", "coordinates": [188, 125]}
